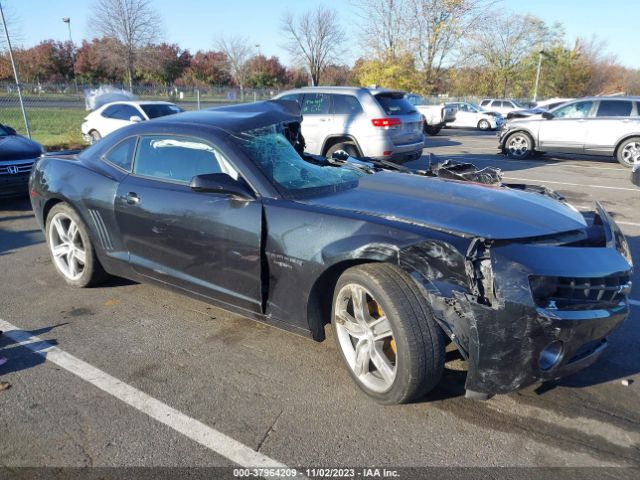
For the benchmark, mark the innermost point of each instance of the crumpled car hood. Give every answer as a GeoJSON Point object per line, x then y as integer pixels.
{"type": "Point", "coordinates": [458, 207]}
{"type": "Point", "coordinates": [16, 147]}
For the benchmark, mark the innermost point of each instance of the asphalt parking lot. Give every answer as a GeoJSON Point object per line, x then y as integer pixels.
{"type": "Point", "coordinates": [286, 397]}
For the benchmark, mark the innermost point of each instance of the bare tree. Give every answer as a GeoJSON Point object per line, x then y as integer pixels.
{"type": "Point", "coordinates": [14, 27]}
{"type": "Point", "coordinates": [238, 52]}
{"type": "Point", "coordinates": [437, 27]}
{"type": "Point", "coordinates": [134, 23]}
{"type": "Point", "coordinates": [384, 26]}
{"type": "Point", "coordinates": [505, 41]}
{"type": "Point", "coordinates": [314, 39]}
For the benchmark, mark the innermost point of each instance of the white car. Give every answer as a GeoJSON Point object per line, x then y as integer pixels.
{"type": "Point", "coordinates": [552, 103]}
{"type": "Point", "coordinates": [503, 106]}
{"type": "Point", "coordinates": [471, 115]}
{"type": "Point", "coordinates": [115, 115]}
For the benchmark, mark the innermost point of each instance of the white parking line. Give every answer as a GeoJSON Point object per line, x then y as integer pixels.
{"type": "Point", "coordinates": [571, 184]}
{"type": "Point", "coordinates": [209, 437]}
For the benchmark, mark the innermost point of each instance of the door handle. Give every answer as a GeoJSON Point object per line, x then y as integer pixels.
{"type": "Point", "coordinates": [132, 198]}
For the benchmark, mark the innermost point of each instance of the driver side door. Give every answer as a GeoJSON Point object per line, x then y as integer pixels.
{"type": "Point", "coordinates": [567, 130]}
{"type": "Point", "coordinates": [207, 243]}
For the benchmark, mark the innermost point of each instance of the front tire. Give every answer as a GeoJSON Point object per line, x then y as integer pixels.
{"type": "Point", "coordinates": [484, 125]}
{"type": "Point", "coordinates": [95, 136]}
{"type": "Point", "coordinates": [71, 250]}
{"type": "Point", "coordinates": [386, 334]}
{"type": "Point", "coordinates": [519, 145]}
{"type": "Point", "coordinates": [629, 152]}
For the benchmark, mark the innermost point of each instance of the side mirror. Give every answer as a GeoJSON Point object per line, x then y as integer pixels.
{"type": "Point", "coordinates": [220, 183]}
{"type": "Point", "coordinates": [548, 115]}
{"type": "Point", "coordinates": [135, 119]}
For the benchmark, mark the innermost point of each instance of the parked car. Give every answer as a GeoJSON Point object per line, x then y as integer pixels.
{"type": "Point", "coordinates": [552, 103]}
{"type": "Point", "coordinates": [474, 116]}
{"type": "Point", "coordinates": [112, 116]}
{"type": "Point", "coordinates": [219, 204]}
{"type": "Point", "coordinates": [502, 106]}
{"type": "Point", "coordinates": [368, 122]}
{"type": "Point", "coordinates": [604, 126]}
{"type": "Point", "coordinates": [17, 155]}
{"type": "Point", "coordinates": [435, 117]}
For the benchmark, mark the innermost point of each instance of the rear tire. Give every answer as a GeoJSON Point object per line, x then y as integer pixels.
{"type": "Point", "coordinates": [344, 148]}
{"type": "Point", "coordinates": [519, 145]}
{"type": "Point", "coordinates": [628, 152]}
{"type": "Point", "coordinates": [388, 339]}
{"type": "Point", "coordinates": [71, 250]}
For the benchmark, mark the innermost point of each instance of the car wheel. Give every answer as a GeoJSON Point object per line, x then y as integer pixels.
{"type": "Point", "coordinates": [484, 125]}
{"type": "Point", "coordinates": [519, 145]}
{"type": "Point", "coordinates": [95, 136]}
{"type": "Point", "coordinates": [71, 249]}
{"type": "Point", "coordinates": [343, 149]}
{"type": "Point", "coordinates": [629, 152]}
{"type": "Point", "coordinates": [431, 129]}
{"type": "Point", "coordinates": [386, 334]}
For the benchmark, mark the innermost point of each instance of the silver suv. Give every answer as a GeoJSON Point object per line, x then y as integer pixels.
{"type": "Point", "coordinates": [604, 126]}
{"type": "Point", "coordinates": [362, 122]}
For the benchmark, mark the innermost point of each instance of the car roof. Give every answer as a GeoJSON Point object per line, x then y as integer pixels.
{"type": "Point", "coordinates": [232, 118]}
{"type": "Point", "coordinates": [373, 90]}
{"type": "Point", "coordinates": [137, 102]}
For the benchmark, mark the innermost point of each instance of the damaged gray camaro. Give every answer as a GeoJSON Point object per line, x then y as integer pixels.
{"type": "Point", "coordinates": [224, 205]}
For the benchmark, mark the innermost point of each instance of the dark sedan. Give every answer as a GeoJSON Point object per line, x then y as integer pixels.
{"type": "Point", "coordinates": [17, 154]}
{"type": "Point", "coordinates": [221, 205]}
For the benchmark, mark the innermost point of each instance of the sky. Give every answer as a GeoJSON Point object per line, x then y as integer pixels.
{"type": "Point", "coordinates": [194, 24]}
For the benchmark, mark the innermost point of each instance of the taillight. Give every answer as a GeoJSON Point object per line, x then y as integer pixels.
{"type": "Point", "coordinates": [386, 122]}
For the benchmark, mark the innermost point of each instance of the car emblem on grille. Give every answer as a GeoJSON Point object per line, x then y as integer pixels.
{"type": "Point", "coordinates": [552, 305]}
{"type": "Point", "coordinates": [12, 169]}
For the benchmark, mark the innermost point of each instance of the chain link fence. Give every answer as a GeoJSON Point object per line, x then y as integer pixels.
{"type": "Point", "coordinates": [56, 111]}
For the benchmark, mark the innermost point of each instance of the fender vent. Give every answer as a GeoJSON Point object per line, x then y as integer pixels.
{"type": "Point", "coordinates": [101, 230]}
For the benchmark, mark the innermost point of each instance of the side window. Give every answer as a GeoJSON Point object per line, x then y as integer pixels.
{"type": "Point", "coordinates": [614, 108]}
{"type": "Point", "coordinates": [179, 159]}
{"type": "Point", "coordinates": [574, 110]}
{"type": "Point", "coordinates": [316, 104]}
{"type": "Point", "coordinates": [109, 111]}
{"type": "Point", "coordinates": [509, 105]}
{"type": "Point", "coordinates": [484, 103]}
{"type": "Point", "coordinates": [125, 112]}
{"type": "Point", "coordinates": [498, 104]}
{"type": "Point", "coordinates": [346, 105]}
{"type": "Point", "coordinates": [122, 154]}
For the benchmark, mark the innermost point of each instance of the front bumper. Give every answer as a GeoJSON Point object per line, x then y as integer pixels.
{"type": "Point", "coordinates": [502, 325]}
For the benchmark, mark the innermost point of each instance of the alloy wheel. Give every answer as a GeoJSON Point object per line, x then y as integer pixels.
{"type": "Point", "coordinates": [365, 338]}
{"type": "Point", "coordinates": [518, 146]}
{"type": "Point", "coordinates": [631, 153]}
{"type": "Point", "coordinates": [67, 247]}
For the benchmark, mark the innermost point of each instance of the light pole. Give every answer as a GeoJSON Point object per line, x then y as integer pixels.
{"type": "Point", "coordinates": [15, 73]}
{"type": "Point", "coordinates": [67, 20]}
{"type": "Point", "coordinates": [535, 89]}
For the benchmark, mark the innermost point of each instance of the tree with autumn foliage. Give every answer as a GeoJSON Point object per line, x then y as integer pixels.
{"type": "Point", "coordinates": [266, 72]}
